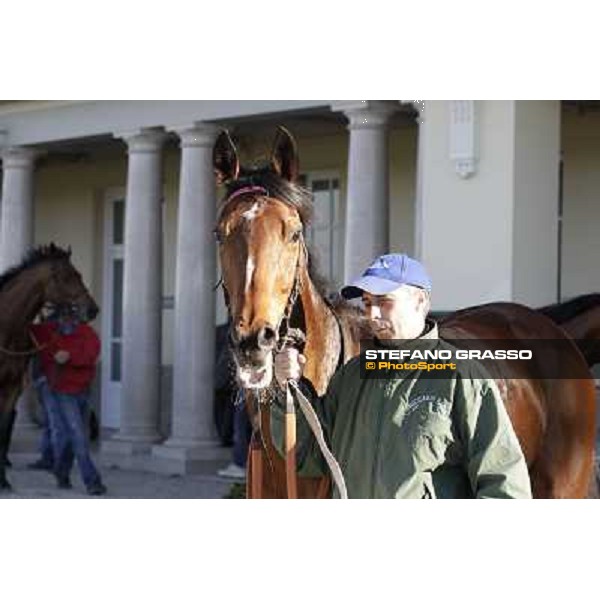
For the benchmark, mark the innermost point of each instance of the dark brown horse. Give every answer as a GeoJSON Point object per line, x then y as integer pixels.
{"type": "Point", "coordinates": [554, 419]}
{"type": "Point", "coordinates": [270, 288]}
{"type": "Point", "coordinates": [580, 318]}
{"type": "Point", "coordinates": [46, 276]}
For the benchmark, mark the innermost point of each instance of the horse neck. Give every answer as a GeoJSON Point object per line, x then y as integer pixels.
{"type": "Point", "coordinates": [21, 299]}
{"type": "Point", "coordinates": [584, 326]}
{"type": "Point", "coordinates": [323, 338]}
{"type": "Point", "coordinates": [585, 330]}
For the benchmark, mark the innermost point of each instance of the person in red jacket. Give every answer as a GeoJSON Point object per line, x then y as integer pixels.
{"type": "Point", "coordinates": [68, 353]}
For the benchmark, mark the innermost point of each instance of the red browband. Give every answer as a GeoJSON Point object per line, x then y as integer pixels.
{"type": "Point", "coordinates": [250, 189]}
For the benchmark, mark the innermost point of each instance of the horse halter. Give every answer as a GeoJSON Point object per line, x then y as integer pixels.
{"type": "Point", "coordinates": [287, 335]}
{"type": "Point", "coordinates": [247, 189]}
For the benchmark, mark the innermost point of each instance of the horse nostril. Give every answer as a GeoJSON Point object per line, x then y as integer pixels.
{"type": "Point", "coordinates": [267, 337]}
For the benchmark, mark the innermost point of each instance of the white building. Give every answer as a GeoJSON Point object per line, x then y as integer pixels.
{"type": "Point", "coordinates": [500, 199]}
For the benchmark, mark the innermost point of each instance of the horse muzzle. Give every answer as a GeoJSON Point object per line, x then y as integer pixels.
{"type": "Point", "coordinates": [254, 357]}
{"type": "Point", "coordinates": [92, 312]}
{"type": "Point", "coordinates": [253, 376]}
{"type": "Point", "coordinates": [87, 309]}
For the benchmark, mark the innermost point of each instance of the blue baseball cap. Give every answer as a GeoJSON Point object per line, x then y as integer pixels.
{"type": "Point", "coordinates": [387, 274]}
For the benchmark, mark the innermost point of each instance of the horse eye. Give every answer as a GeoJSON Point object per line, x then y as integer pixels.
{"type": "Point", "coordinates": [295, 235]}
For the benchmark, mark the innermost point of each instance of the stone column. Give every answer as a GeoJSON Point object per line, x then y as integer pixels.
{"type": "Point", "coordinates": [419, 106]}
{"type": "Point", "coordinates": [367, 203]}
{"type": "Point", "coordinates": [193, 440]}
{"type": "Point", "coordinates": [142, 297]}
{"type": "Point", "coordinates": [17, 204]}
{"type": "Point", "coordinates": [16, 238]}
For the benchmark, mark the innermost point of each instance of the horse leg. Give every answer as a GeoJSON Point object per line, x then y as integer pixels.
{"type": "Point", "coordinates": [7, 420]}
{"type": "Point", "coordinates": [11, 425]}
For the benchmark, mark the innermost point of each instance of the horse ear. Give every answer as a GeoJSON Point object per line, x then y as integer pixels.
{"type": "Point", "coordinates": [285, 155]}
{"type": "Point", "coordinates": [225, 159]}
{"type": "Point", "coordinates": [69, 250]}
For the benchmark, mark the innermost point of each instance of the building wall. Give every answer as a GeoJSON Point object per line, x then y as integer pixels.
{"type": "Point", "coordinates": [467, 223]}
{"type": "Point", "coordinates": [71, 192]}
{"type": "Point", "coordinates": [536, 174]}
{"type": "Point", "coordinates": [580, 271]}
{"type": "Point", "coordinates": [403, 177]}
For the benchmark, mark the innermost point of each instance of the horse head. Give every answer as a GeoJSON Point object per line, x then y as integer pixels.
{"type": "Point", "coordinates": [262, 251]}
{"type": "Point", "coordinates": [64, 284]}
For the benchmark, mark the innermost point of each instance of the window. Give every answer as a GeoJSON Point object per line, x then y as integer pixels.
{"type": "Point", "coordinates": [325, 235]}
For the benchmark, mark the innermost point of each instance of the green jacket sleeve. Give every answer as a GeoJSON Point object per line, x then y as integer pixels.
{"type": "Point", "coordinates": [309, 460]}
{"type": "Point", "coordinates": [494, 460]}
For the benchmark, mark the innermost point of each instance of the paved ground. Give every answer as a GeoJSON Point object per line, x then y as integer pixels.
{"type": "Point", "coordinates": [120, 483]}
{"type": "Point", "coordinates": [124, 483]}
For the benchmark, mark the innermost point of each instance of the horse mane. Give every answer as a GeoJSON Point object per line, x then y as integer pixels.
{"type": "Point", "coordinates": [565, 311]}
{"type": "Point", "coordinates": [323, 286]}
{"type": "Point", "coordinates": [34, 257]}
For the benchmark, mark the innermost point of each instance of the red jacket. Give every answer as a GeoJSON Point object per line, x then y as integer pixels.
{"type": "Point", "coordinates": [83, 345]}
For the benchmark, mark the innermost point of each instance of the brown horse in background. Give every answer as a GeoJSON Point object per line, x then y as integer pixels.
{"type": "Point", "coordinates": [554, 419]}
{"type": "Point", "coordinates": [270, 288]}
{"type": "Point", "coordinates": [46, 276]}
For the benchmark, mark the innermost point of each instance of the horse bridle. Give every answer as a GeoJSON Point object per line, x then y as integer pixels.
{"type": "Point", "coordinates": [286, 335]}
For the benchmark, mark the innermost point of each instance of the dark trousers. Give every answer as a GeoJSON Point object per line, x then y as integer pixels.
{"type": "Point", "coordinates": [68, 415]}
{"type": "Point", "coordinates": [46, 450]}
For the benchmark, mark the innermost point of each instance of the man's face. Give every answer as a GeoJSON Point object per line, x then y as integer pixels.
{"type": "Point", "coordinates": [67, 323]}
{"type": "Point", "coordinates": [398, 315]}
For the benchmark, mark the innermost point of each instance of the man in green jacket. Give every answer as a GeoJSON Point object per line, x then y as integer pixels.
{"type": "Point", "coordinates": [411, 435]}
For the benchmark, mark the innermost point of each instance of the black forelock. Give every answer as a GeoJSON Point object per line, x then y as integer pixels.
{"type": "Point", "coordinates": [292, 194]}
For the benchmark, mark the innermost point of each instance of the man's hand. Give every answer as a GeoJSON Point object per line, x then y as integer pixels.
{"type": "Point", "coordinates": [288, 364]}
{"type": "Point", "coordinates": [62, 357]}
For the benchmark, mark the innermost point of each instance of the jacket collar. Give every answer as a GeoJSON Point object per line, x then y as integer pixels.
{"type": "Point", "coordinates": [431, 332]}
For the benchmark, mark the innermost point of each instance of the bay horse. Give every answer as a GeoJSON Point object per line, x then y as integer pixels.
{"type": "Point", "coordinates": [45, 276]}
{"type": "Point", "coordinates": [270, 288]}
{"type": "Point", "coordinates": [580, 318]}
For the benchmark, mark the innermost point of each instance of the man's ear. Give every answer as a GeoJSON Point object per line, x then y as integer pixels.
{"type": "Point", "coordinates": [225, 159]}
{"type": "Point", "coordinates": [424, 301]}
{"type": "Point", "coordinates": [284, 157]}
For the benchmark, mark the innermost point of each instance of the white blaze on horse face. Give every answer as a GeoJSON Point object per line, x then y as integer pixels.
{"type": "Point", "coordinates": [249, 273]}
{"type": "Point", "coordinates": [249, 215]}
{"type": "Point", "coordinates": [252, 212]}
